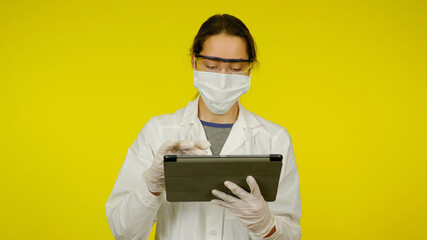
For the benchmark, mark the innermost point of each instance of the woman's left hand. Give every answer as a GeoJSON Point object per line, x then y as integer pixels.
{"type": "Point", "coordinates": [251, 209]}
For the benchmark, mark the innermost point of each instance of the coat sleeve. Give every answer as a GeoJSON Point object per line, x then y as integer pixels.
{"type": "Point", "coordinates": [287, 207]}
{"type": "Point", "coordinates": [131, 209]}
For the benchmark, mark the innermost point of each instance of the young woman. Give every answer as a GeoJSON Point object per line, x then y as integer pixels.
{"type": "Point", "coordinates": [223, 53]}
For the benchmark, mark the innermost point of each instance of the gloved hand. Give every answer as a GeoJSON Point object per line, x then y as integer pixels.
{"type": "Point", "coordinates": [251, 209]}
{"type": "Point", "coordinates": [154, 176]}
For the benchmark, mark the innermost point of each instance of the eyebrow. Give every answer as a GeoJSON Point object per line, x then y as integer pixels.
{"type": "Point", "coordinates": [224, 59]}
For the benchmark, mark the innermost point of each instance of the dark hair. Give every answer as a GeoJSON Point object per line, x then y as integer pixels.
{"type": "Point", "coordinates": [224, 23]}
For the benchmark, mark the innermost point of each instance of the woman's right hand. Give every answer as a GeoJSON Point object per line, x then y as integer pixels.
{"type": "Point", "coordinates": [154, 176]}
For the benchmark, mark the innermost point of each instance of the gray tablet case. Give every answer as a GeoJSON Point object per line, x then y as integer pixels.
{"type": "Point", "coordinates": [192, 178]}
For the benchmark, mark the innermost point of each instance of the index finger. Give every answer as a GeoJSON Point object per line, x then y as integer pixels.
{"type": "Point", "coordinates": [202, 144]}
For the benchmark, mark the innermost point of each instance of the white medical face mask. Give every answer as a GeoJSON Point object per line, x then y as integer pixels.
{"type": "Point", "coordinates": [220, 91]}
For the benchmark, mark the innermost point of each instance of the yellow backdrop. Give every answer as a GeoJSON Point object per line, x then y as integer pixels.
{"type": "Point", "coordinates": [79, 79]}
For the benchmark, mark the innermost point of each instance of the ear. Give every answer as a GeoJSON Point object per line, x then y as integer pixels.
{"type": "Point", "coordinates": [192, 62]}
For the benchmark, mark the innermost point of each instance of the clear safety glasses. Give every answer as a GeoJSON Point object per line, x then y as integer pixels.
{"type": "Point", "coordinates": [215, 64]}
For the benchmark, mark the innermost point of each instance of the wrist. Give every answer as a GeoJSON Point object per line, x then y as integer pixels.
{"type": "Point", "coordinates": [272, 231]}
{"type": "Point", "coordinates": [155, 193]}
{"type": "Point", "coordinates": [270, 228]}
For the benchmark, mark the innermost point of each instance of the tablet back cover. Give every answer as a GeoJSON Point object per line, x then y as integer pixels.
{"type": "Point", "coordinates": [194, 180]}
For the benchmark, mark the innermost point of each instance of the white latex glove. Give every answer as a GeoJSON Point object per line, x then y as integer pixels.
{"type": "Point", "coordinates": [154, 176]}
{"type": "Point", "coordinates": [251, 209]}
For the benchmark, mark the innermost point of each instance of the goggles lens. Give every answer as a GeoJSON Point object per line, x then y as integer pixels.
{"type": "Point", "coordinates": [214, 64]}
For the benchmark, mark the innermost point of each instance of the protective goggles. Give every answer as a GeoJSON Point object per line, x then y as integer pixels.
{"type": "Point", "coordinates": [215, 64]}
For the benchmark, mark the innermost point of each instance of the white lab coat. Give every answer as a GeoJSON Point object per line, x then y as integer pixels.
{"type": "Point", "coordinates": [132, 209]}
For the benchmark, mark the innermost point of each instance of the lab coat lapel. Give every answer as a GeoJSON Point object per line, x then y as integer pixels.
{"type": "Point", "coordinates": [195, 126]}
{"type": "Point", "coordinates": [236, 138]}
{"type": "Point", "coordinates": [199, 133]}
{"type": "Point", "coordinates": [238, 134]}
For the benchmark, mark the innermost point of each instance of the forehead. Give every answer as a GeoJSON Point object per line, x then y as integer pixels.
{"type": "Point", "coordinates": [225, 46]}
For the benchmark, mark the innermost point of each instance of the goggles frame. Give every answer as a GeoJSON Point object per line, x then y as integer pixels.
{"type": "Point", "coordinates": [225, 60]}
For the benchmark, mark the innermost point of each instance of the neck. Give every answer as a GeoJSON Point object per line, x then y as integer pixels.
{"type": "Point", "coordinates": [206, 115]}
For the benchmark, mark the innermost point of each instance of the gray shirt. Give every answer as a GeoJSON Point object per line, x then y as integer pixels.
{"type": "Point", "coordinates": [216, 133]}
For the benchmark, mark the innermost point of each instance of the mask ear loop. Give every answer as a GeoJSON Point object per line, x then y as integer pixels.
{"type": "Point", "coordinates": [250, 72]}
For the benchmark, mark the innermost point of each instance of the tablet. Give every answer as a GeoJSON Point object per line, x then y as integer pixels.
{"type": "Point", "coordinates": [192, 178]}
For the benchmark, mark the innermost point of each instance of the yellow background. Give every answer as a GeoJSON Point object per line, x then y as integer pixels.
{"type": "Point", "coordinates": [348, 79]}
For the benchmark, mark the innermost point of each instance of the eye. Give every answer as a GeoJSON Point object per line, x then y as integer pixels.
{"type": "Point", "coordinates": [236, 69]}
{"type": "Point", "coordinates": [210, 66]}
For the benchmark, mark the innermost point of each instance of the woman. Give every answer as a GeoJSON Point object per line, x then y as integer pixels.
{"type": "Point", "coordinates": [223, 53]}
